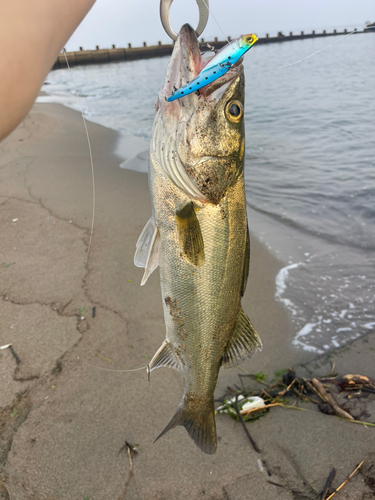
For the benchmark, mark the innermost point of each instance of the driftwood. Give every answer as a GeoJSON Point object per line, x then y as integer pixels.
{"type": "Point", "coordinates": [346, 480]}
{"type": "Point", "coordinates": [351, 382]}
{"type": "Point", "coordinates": [328, 398]}
{"type": "Point", "coordinates": [290, 385]}
{"type": "Point", "coordinates": [303, 389]}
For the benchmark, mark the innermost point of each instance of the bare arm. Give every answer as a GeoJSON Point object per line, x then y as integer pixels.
{"type": "Point", "coordinates": [32, 33]}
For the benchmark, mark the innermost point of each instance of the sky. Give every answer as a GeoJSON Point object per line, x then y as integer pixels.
{"type": "Point", "coordinates": [121, 22]}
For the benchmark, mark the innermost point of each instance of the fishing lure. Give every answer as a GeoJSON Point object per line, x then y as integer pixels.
{"type": "Point", "coordinates": [222, 61]}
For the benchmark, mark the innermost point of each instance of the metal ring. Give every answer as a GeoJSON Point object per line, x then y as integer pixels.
{"type": "Point", "coordinates": [165, 7]}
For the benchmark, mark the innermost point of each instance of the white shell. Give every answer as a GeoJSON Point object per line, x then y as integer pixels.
{"type": "Point", "coordinates": [254, 402]}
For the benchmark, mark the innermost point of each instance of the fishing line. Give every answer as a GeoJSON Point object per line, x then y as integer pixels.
{"type": "Point", "coordinates": [286, 65]}
{"type": "Point", "coordinates": [112, 370]}
{"type": "Point", "coordinates": [306, 57]}
{"type": "Point", "coordinates": [212, 14]}
{"type": "Point", "coordinates": [93, 212]}
{"type": "Point", "coordinates": [91, 160]}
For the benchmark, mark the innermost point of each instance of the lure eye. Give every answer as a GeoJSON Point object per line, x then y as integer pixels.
{"type": "Point", "coordinates": [249, 39]}
{"type": "Point", "coordinates": [234, 111]}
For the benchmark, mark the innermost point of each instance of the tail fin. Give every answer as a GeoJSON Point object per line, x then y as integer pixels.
{"type": "Point", "coordinates": [197, 415]}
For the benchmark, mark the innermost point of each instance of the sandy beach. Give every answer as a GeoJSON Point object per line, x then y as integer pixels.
{"type": "Point", "coordinates": [63, 421]}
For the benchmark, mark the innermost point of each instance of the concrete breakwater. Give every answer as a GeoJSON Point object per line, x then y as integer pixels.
{"type": "Point", "coordinates": [102, 56]}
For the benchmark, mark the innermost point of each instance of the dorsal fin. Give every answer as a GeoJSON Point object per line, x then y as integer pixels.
{"type": "Point", "coordinates": [190, 234]}
{"type": "Point", "coordinates": [244, 342]}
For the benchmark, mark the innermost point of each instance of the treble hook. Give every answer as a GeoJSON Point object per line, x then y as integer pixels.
{"type": "Point", "coordinates": [165, 7]}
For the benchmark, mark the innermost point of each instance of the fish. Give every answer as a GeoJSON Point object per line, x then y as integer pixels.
{"type": "Point", "coordinates": [218, 65]}
{"type": "Point", "coordinates": [198, 235]}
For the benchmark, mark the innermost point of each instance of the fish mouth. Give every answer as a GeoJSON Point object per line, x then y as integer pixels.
{"type": "Point", "coordinates": [186, 63]}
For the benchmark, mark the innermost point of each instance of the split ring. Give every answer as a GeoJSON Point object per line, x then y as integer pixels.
{"type": "Point", "coordinates": [165, 7]}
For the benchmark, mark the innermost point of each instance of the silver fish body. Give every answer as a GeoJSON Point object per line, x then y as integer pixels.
{"type": "Point", "coordinates": [198, 236]}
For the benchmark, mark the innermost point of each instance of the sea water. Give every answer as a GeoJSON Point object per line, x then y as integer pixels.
{"type": "Point", "coordinates": [309, 167]}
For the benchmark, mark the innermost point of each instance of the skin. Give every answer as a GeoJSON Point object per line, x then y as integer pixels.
{"type": "Point", "coordinates": [32, 33]}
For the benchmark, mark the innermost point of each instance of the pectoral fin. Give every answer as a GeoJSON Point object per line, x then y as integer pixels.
{"type": "Point", "coordinates": [190, 234]}
{"type": "Point", "coordinates": [144, 244]}
{"type": "Point", "coordinates": [243, 343]}
{"type": "Point", "coordinates": [148, 248]}
{"type": "Point", "coordinates": [165, 356]}
{"type": "Point", "coordinates": [153, 257]}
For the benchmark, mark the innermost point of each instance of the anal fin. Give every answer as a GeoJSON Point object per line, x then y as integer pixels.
{"type": "Point", "coordinates": [243, 343]}
{"type": "Point", "coordinates": [190, 235]}
{"type": "Point", "coordinates": [165, 356]}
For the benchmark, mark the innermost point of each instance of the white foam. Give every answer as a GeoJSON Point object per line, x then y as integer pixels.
{"type": "Point", "coordinates": [138, 163]}
{"type": "Point", "coordinates": [281, 278]}
{"type": "Point", "coordinates": [306, 330]}
{"type": "Point", "coordinates": [65, 99]}
{"type": "Point", "coordinates": [307, 347]}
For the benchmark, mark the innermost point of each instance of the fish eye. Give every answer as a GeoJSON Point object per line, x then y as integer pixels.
{"type": "Point", "coordinates": [249, 39]}
{"type": "Point", "coordinates": [234, 111]}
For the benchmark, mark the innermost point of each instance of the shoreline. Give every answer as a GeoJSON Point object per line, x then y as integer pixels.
{"type": "Point", "coordinates": [317, 325]}
{"type": "Point", "coordinates": [132, 154]}
{"type": "Point", "coordinates": [62, 420]}
{"type": "Point", "coordinates": [130, 150]}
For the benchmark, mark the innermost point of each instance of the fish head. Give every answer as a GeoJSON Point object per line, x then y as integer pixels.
{"type": "Point", "coordinates": [207, 127]}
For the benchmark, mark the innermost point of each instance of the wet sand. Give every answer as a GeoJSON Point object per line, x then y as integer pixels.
{"type": "Point", "coordinates": [63, 421]}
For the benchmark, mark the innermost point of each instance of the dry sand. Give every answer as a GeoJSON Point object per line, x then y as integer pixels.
{"type": "Point", "coordinates": [63, 421]}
